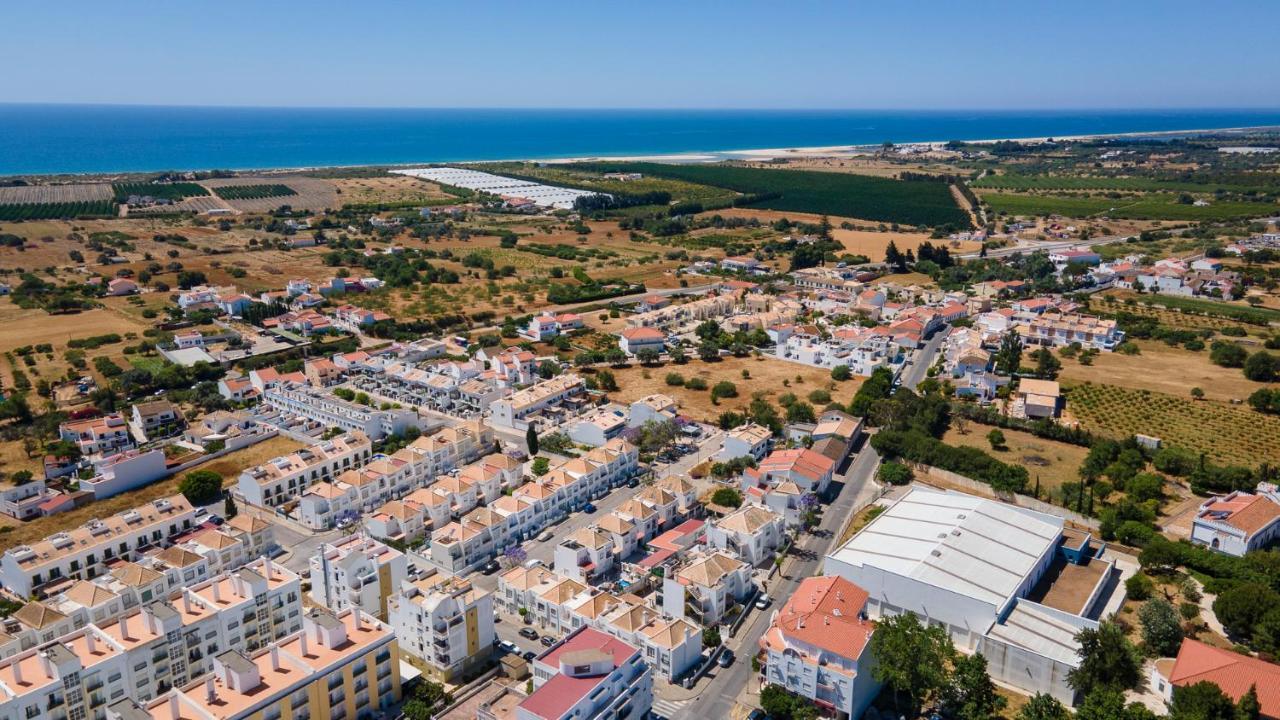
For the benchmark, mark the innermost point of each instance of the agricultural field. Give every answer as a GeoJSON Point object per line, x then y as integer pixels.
{"type": "Point", "coordinates": [870, 243]}
{"type": "Point", "coordinates": [254, 192]}
{"type": "Point", "coordinates": [681, 191]}
{"type": "Point", "coordinates": [1228, 311]}
{"type": "Point", "coordinates": [1140, 207]}
{"type": "Point", "coordinates": [166, 191]}
{"type": "Point", "coordinates": [1133, 184]}
{"type": "Point", "coordinates": [1225, 433]}
{"type": "Point", "coordinates": [1050, 461]}
{"type": "Point", "coordinates": [57, 210]}
{"type": "Point", "coordinates": [1164, 369]}
{"type": "Point", "coordinates": [921, 203]}
{"type": "Point", "coordinates": [389, 190]}
{"type": "Point", "coordinates": [49, 194]}
{"type": "Point", "coordinates": [309, 193]}
{"type": "Point", "coordinates": [767, 375]}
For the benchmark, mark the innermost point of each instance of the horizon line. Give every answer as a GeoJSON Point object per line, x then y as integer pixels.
{"type": "Point", "coordinates": [585, 108]}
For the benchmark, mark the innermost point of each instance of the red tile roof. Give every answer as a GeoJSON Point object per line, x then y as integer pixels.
{"type": "Point", "coordinates": [823, 612]}
{"type": "Point", "coordinates": [562, 692]}
{"type": "Point", "coordinates": [1231, 671]}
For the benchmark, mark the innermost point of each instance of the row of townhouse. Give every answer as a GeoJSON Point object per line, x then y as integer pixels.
{"type": "Point", "coordinates": [547, 325]}
{"type": "Point", "coordinates": [523, 406]}
{"type": "Point", "coordinates": [475, 538]}
{"type": "Point", "coordinates": [673, 316]}
{"type": "Point", "coordinates": [560, 605]}
{"type": "Point", "coordinates": [145, 651]}
{"type": "Point", "coordinates": [446, 622]}
{"type": "Point", "coordinates": [323, 407]}
{"type": "Point", "coordinates": [483, 482]}
{"type": "Point", "coordinates": [84, 552]}
{"type": "Point", "coordinates": [282, 479]}
{"type": "Point", "coordinates": [859, 349]}
{"type": "Point", "coordinates": [429, 463]}
{"type": "Point", "coordinates": [788, 481]}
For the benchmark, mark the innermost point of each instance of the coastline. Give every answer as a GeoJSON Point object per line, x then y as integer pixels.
{"type": "Point", "coordinates": [690, 156]}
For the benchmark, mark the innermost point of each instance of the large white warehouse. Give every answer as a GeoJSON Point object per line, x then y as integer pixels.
{"type": "Point", "coordinates": [1008, 582]}
{"type": "Point", "coordinates": [539, 194]}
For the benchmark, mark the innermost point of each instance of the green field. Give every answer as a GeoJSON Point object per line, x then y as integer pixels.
{"type": "Point", "coordinates": [1140, 184]}
{"type": "Point", "coordinates": [1137, 208]}
{"type": "Point", "coordinates": [1211, 308]}
{"type": "Point", "coordinates": [54, 211]}
{"type": "Point", "coordinates": [254, 192]}
{"type": "Point", "coordinates": [864, 197]}
{"type": "Point", "coordinates": [163, 191]}
{"type": "Point", "coordinates": [152, 364]}
{"type": "Point", "coordinates": [568, 176]}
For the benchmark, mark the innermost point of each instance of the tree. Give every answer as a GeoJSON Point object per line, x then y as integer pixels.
{"type": "Point", "coordinates": [1161, 630]}
{"type": "Point", "coordinates": [711, 637]}
{"type": "Point", "coordinates": [727, 497]}
{"type": "Point", "coordinates": [540, 466]}
{"type": "Point", "coordinates": [548, 369]}
{"type": "Point", "coordinates": [801, 412]}
{"type": "Point", "coordinates": [911, 659]}
{"type": "Point", "coordinates": [201, 487]}
{"type": "Point", "coordinates": [724, 389]}
{"type": "Point", "coordinates": [229, 509]}
{"type": "Point", "coordinates": [607, 381]}
{"type": "Point", "coordinates": [1240, 608]}
{"type": "Point", "coordinates": [1108, 704]}
{"type": "Point", "coordinates": [1108, 660]}
{"type": "Point", "coordinates": [894, 473]}
{"type": "Point", "coordinates": [1262, 366]}
{"type": "Point", "coordinates": [1009, 356]}
{"type": "Point", "coordinates": [1202, 701]}
{"type": "Point", "coordinates": [1227, 354]}
{"type": "Point", "coordinates": [840, 373]}
{"type": "Point", "coordinates": [531, 439]}
{"type": "Point", "coordinates": [677, 354]}
{"type": "Point", "coordinates": [1043, 707]}
{"type": "Point", "coordinates": [647, 356]}
{"type": "Point", "coordinates": [514, 554]}
{"type": "Point", "coordinates": [708, 350]}
{"type": "Point", "coordinates": [782, 705]}
{"type": "Point", "coordinates": [971, 695]}
{"type": "Point", "coordinates": [997, 439]}
{"type": "Point", "coordinates": [1249, 708]}
{"type": "Point", "coordinates": [1047, 365]}
{"type": "Point", "coordinates": [1197, 393]}
{"type": "Point", "coordinates": [428, 699]}
{"type": "Point", "coordinates": [1138, 586]}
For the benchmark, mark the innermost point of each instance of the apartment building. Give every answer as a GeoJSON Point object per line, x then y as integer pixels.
{"type": "Point", "coordinates": [82, 553]}
{"type": "Point", "coordinates": [751, 533]}
{"type": "Point", "coordinates": [321, 406]}
{"type": "Point", "coordinates": [587, 555]}
{"type": "Point", "coordinates": [26, 501]}
{"type": "Point", "coordinates": [444, 621]}
{"type": "Point", "coordinates": [808, 469]}
{"type": "Point", "coordinates": [587, 676]}
{"type": "Point", "coordinates": [281, 479]}
{"type": "Point", "coordinates": [98, 436]}
{"type": "Point", "coordinates": [672, 316]}
{"type": "Point", "coordinates": [155, 419]}
{"type": "Point", "coordinates": [356, 571]}
{"type": "Point", "coordinates": [746, 441]}
{"type": "Point", "coordinates": [705, 587]}
{"type": "Point", "coordinates": [326, 505]}
{"type": "Point", "coordinates": [337, 666]}
{"type": "Point", "coordinates": [516, 410]}
{"type": "Point", "coordinates": [818, 646]}
{"type": "Point", "coordinates": [1056, 329]}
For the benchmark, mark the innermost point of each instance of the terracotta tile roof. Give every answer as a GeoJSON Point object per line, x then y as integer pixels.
{"type": "Point", "coordinates": [823, 612]}
{"type": "Point", "coordinates": [1253, 515]}
{"type": "Point", "coordinates": [38, 615]}
{"type": "Point", "coordinates": [1231, 671]}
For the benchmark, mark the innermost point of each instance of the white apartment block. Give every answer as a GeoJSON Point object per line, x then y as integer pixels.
{"type": "Point", "coordinates": [356, 571]}
{"type": "Point", "coordinates": [516, 410]}
{"type": "Point", "coordinates": [705, 587]}
{"type": "Point", "coordinates": [323, 407]}
{"type": "Point", "coordinates": [589, 676]}
{"type": "Point", "coordinates": [444, 621]}
{"type": "Point", "coordinates": [98, 436]}
{"type": "Point", "coordinates": [752, 533]}
{"type": "Point", "coordinates": [82, 553]}
{"type": "Point", "coordinates": [281, 479]}
{"type": "Point", "coordinates": [746, 441]}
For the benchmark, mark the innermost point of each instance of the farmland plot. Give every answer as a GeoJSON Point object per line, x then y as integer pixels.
{"type": "Point", "coordinates": [33, 194]}
{"type": "Point", "coordinates": [309, 193]}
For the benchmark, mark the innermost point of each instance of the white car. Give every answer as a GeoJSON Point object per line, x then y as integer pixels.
{"type": "Point", "coordinates": [545, 537]}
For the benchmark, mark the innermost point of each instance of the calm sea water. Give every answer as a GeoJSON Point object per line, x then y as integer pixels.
{"type": "Point", "coordinates": [97, 138]}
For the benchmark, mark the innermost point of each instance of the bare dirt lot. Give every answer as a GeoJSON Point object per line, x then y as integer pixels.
{"type": "Point", "coordinates": [312, 193]}
{"type": "Point", "coordinates": [390, 189]}
{"type": "Point", "coordinates": [1163, 369]}
{"type": "Point", "coordinates": [768, 376]}
{"type": "Point", "coordinates": [1053, 463]}
{"type": "Point", "coordinates": [19, 327]}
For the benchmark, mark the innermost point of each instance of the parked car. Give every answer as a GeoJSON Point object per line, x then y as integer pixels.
{"type": "Point", "coordinates": [491, 567]}
{"type": "Point", "coordinates": [216, 519]}
{"type": "Point", "coordinates": [633, 483]}
{"type": "Point", "coordinates": [509, 647]}
{"type": "Point", "coordinates": [529, 655]}
{"type": "Point", "coordinates": [589, 508]}
{"type": "Point", "coordinates": [545, 537]}
{"type": "Point", "coordinates": [529, 633]}
{"type": "Point", "coordinates": [757, 714]}
{"type": "Point", "coordinates": [725, 659]}
{"type": "Point", "coordinates": [547, 640]}
{"type": "Point", "coordinates": [762, 602]}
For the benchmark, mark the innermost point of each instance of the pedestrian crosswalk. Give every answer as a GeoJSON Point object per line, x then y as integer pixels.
{"type": "Point", "coordinates": [669, 708]}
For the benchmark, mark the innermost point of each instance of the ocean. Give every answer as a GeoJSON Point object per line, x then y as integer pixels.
{"type": "Point", "coordinates": [46, 139]}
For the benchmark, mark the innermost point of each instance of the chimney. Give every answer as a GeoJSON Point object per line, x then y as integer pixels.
{"type": "Point", "coordinates": [266, 568]}
{"type": "Point", "coordinates": [217, 591]}
{"type": "Point", "coordinates": [174, 705]}
{"type": "Point", "coordinates": [149, 620]}
{"type": "Point", "coordinates": [275, 657]}
{"type": "Point", "coordinates": [91, 641]}
{"type": "Point", "coordinates": [210, 693]}
{"type": "Point", "coordinates": [17, 672]}
{"type": "Point", "coordinates": [302, 641]}
{"type": "Point", "coordinates": [124, 628]}
{"type": "Point", "coordinates": [237, 584]}
{"type": "Point", "coordinates": [359, 617]}
{"type": "Point", "coordinates": [186, 600]}
{"type": "Point", "coordinates": [47, 665]}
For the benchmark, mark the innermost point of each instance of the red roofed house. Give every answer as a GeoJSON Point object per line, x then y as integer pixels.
{"type": "Point", "coordinates": [1229, 670]}
{"type": "Point", "coordinates": [321, 372]}
{"type": "Point", "coordinates": [652, 302]}
{"type": "Point", "coordinates": [819, 646]}
{"type": "Point", "coordinates": [639, 338]}
{"type": "Point", "coordinates": [810, 470]}
{"type": "Point", "coordinates": [1239, 522]}
{"type": "Point", "coordinates": [589, 675]}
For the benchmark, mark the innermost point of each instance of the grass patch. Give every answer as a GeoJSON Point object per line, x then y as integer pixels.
{"type": "Point", "coordinates": [909, 202]}
{"type": "Point", "coordinates": [1054, 463]}
{"type": "Point", "coordinates": [152, 364]}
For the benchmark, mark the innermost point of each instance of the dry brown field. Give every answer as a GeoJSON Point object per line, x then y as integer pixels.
{"type": "Point", "coordinates": [390, 189]}
{"type": "Point", "coordinates": [1160, 368]}
{"type": "Point", "coordinates": [766, 375]}
{"type": "Point", "coordinates": [312, 193]}
{"type": "Point", "coordinates": [862, 242]}
{"type": "Point", "coordinates": [19, 327]}
{"type": "Point", "coordinates": [1054, 463]}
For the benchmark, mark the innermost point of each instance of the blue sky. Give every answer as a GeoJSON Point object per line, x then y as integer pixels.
{"type": "Point", "coordinates": [686, 54]}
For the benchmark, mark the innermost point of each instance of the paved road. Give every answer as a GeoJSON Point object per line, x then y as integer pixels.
{"type": "Point", "coordinates": [923, 359]}
{"type": "Point", "coordinates": [1032, 246]}
{"type": "Point", "coordinates": [723, 686]}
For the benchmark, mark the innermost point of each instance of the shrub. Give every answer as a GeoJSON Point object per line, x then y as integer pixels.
{"type": "Point", "coordinates": [727, 497]}
{"type": "Point", "coordinates": [675, 379]}
{"type": "Point", "coordinates": [201, 487]}
{"type": "Point", "coordinates": [724, 389]}
{"type": "Point", "coordinates": [696, 383]}
{"type": "Point", "coordinates": [894, 473]}
{"type": "Point", "coordinates": [1138, 586]}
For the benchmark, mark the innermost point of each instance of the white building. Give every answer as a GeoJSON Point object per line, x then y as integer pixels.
{"type": "Point", "coordinates": [752, 533]}
{"type": "Point", "coordinates": [1239, 522]}
{"type": "Point", "coordinates": [444, 621]}
{"type": "Point", "coordinates": [281, 479]}
{"type": "Point", "coordinates": [321, 406]}
{"type": "Point", "coordinates": [356, 571]}
{"type": "Point", "coordinates": [517, 410]}
{"type": "Point", "coordinates": [705, 587]}
{"type": "Point", "coordinates": [589, 675]}
{"type": "Point", "coordinates": [635, 339]}
{"type": "Point", "coordinates": [746, 441]}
